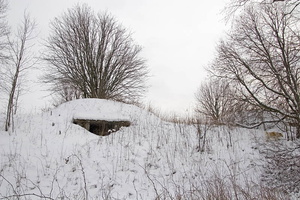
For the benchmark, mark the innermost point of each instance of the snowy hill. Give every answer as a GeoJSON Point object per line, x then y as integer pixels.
{"type": "Point", "coordinates": [48, 156]}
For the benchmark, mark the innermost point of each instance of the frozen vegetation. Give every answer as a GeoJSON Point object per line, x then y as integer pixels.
{"type": "Point", "coordinates": [46, 156]}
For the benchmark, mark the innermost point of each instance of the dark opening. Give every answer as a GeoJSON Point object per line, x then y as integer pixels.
{"type": "Point", "coordinates": [101, 127]}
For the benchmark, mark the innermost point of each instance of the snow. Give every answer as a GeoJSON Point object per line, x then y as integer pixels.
{"type": "Point", "coordinates": [49, 156]}
{"type": "Point", "coordinates": [94, 109]}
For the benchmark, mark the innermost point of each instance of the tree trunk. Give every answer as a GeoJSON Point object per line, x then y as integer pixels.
{"type": "Point", "coordinates": [298, 130]}
{"type": "Point", "coordinates": [10, 105]}
{"type": "Point", "coordinates": [8, 116]}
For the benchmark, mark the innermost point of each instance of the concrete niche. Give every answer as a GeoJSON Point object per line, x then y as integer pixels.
{"type": "Point", "coordinates": [101, 127]}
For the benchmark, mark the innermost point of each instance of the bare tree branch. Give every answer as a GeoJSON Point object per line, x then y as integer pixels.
{"type": "Point", "coordinates": [235, 6]}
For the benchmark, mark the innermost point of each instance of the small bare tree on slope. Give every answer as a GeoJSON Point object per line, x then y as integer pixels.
{"type": "Point", "coordinates": [95, 55]}
{"type": "Point", "coordinates": [215, 101]}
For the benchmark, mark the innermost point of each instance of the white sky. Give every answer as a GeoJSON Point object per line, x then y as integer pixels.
{"type": "Point", "coordinates": [178, 39]}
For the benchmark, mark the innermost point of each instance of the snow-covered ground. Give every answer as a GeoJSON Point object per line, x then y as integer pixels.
{"type": "Point", "coordinates": [48, 156]}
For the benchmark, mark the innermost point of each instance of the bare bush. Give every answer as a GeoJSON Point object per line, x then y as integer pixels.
{"type": "Point", "coordinates": [282, 168]}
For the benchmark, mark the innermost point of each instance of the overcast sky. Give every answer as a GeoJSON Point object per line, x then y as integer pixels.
{"type": "Point", "coordinates": [178, 39]}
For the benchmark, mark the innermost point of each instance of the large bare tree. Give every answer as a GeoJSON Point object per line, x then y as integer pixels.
{"type": "Point", "coordinates": [262, 55]}
{"type": "Point", "coordinates": [95, 55]}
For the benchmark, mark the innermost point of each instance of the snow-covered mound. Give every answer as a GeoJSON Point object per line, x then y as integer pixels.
{"type": "Point", "coordinates": [60, 120]}
{"type": "Point", "coordinates": [49, 156]}
{"type": "Point", "coordinates": [95, 109]}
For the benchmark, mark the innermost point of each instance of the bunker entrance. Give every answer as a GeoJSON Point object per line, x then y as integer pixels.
{"type": "Point", "coordinates": [101, 127]}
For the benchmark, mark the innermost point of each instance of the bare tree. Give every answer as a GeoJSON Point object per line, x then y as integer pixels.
{"type": "Point", "coordinates": [95, 55]}
{"type": "Point", "coordinates": [215, 100]}
{"type": "Point", "coordinates": [4, 31]}
{"type": "Point", "coordinates": [262, 56]}
{"type": "Point", "coordinates": [221, 103]}
{"type": "Point", "coordinates": [20, 60]}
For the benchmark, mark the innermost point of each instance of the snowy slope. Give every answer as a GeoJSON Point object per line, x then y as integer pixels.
{"type": "Point", "coordinates": [49, 156]}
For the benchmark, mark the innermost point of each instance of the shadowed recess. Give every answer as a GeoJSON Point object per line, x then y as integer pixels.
{"type": "Point", "coordinates": [101, 127]}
